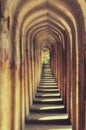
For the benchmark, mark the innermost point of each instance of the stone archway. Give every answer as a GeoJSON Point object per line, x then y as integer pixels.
{"type": "Point", "coordinates": [20, 55]}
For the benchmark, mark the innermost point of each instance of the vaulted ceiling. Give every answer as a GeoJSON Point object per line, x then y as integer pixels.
{"type": "Point", "coordinates": [47, 21]}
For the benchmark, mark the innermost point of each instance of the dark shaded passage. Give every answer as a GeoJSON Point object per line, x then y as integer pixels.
{"type": "Point", "coordinates": [48, 111]}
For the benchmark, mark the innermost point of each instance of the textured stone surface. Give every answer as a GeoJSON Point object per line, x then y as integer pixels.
{"type": "Point", "coordinates": [26, 27]}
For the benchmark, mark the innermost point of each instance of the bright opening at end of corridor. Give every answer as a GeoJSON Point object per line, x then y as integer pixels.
{"type": "Point", "coordinates": [45, 55]}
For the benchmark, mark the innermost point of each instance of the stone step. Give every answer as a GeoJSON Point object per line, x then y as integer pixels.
{"type": "Point", "coordinates": [57, 101]}
{"type": "Point", "coordinates": [47, 77]}
{"type": "Point", "coordinates": [47, 81]}
{"type": "Point", "coordinates": [48, 84]}
{"type": "Point", "coordinates": [48, 108]}
{"type": "Point", "coordinates": [44, 95]}
{"type": "Point", "coordinates": [48, 99]}
{"type": "Point", "coordinates": [47, 90]}
{"type": "Point", "coordinates": [51, 97]}
{"type": "Point", "coordinates": [48, 70]}
{"type": "Point", "coordinates": [47, 87]}
{"type": "Point", "coordinates": [47, 127]}
{"type": "Point", "coordinates": [48, 118]}
{"type": "Point", "coordinates": [47, 73]}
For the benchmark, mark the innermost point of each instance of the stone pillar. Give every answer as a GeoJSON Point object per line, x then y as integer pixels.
{"type": "Point", "coordinates": [6, 88]}
{"type": "Point", "coordinates": [26, 82]}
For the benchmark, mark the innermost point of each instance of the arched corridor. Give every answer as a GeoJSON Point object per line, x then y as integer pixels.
{"type": "Point", "coordinates": [30, 30]}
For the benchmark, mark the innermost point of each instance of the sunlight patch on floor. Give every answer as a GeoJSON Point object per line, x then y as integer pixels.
{"type": "Point", "coordinates": [50, 95]}
{"type": "Point", "coordinates": [59, 99]}
{"type": "Point", "coordinates": [56, 90]}
{"type": "Point", "coordinates": [61, 117]}
{"type": "Point", "coordinates": [48, 83]}
{"type": "Point", "coordinates": [51, 107]}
